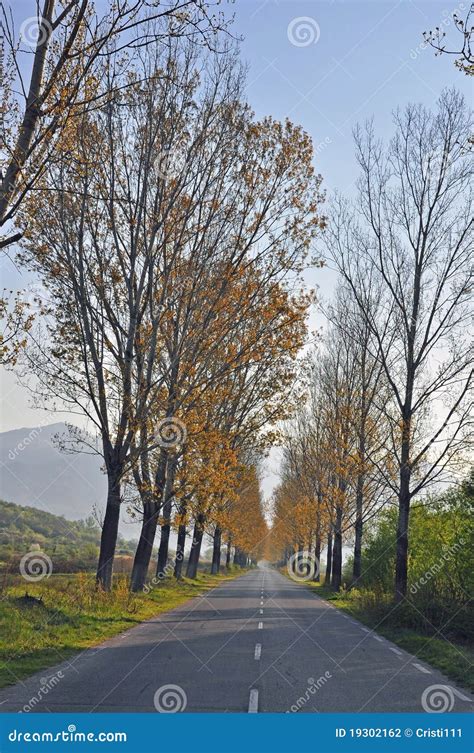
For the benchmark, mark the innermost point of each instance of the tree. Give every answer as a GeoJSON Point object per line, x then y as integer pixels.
{"type": "Point", "coordinates": [75, 63]}
{"type": "Point", "coordinates": [412, 225]}
{"type": "Point", "coordinates": [243, 238]}
{"type": "Point", "coordinates": [18, 320]}
{"type": "Point", "coordinates": [104, 248]}
{"type": "Point", "coordinates": [73, 51]}
{"type": "Point", "coordinates": [368, 406]}
{"type": "Point", "coordinates": [464, 53]}
{"type": "Point", "coordinates": [125, 229]}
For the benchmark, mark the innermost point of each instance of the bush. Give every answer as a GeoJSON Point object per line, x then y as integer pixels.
{"type": "Point", "coordinates": [440, 566]}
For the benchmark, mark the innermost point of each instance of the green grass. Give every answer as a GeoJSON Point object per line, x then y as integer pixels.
{"type": "Point", "coordinates": [45, 623]}
{"type": "Point", "coordinates": [453, 657]}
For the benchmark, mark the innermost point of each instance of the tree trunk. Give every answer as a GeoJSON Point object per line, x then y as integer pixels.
{"type": "Point", "coordinates": [162, 560]}
{"type": "Point", "coordinates": [108, 539]}
{"type": "Point", "coordinates": [181, 542]}
{"type": "Point", "coordinates": [216, 551]}
{"type": "Point", "coordinates": [327, 578]}
{"type": "Point", "coordinates": [401, 568]}
{"type": "Point", "coordinates": [337, 553]}
{"type": "Point", "coordinates": [240, 557]}
{"type": "Point", "coordinates": [357, 567]}
{"type": "Point", "coordinates": [404, 496]}
{"type": "Point", "coordinates": [317, 550]}
{"type": "Point", "coordinates": [194, 554]}
{"type": "Point", "coordinates": [167, 509]}
{"type": "Point", "coordinates": [317, 557]}
{"type": "Point", "coordinates": [144, 551]}
{"type": "Point", "coordinates": [227, 557]}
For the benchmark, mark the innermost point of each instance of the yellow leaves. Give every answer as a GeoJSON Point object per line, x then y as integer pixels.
{"type": "Point", "coordinates": [245, 519]}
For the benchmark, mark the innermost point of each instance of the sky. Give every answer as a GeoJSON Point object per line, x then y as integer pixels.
{"type": "Point", "coordinates": [326, 66]}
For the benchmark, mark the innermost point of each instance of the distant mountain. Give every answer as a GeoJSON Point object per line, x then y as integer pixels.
{"type": "Point", "coordinates": [35, 472]}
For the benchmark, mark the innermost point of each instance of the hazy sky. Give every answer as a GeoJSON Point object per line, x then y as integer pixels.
{"type": "Point", "coordinates": [327, 66]}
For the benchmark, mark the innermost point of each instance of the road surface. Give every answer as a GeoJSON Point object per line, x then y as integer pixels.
{"type": "Point", "coordinates": [258, 643]}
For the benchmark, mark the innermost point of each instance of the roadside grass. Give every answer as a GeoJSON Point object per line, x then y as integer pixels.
{"type": "Point", "coordinates": [45, 623]}
{"type": "Point", "coordinates": [453, 657]}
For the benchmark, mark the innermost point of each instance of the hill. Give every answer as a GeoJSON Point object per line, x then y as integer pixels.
{"type": "Point", "coordinates": [72, 545]}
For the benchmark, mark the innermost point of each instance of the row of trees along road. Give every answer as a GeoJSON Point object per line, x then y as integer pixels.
{"type": "Point", "coordinates": [170, 228]}
{"type": "Point", "coordinates": [169, 231]}
{"type": "Point", "coordinates": [390, 391]}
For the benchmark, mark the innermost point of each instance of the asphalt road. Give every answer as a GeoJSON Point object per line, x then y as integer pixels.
{"type": "Point", "coordinates": [259, 643]}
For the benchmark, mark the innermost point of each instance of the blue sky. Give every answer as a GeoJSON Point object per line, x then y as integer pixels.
{"type": "Point", "coordinates": [366, 59]}
{"type": "Point", "coordinates": [351, 61]}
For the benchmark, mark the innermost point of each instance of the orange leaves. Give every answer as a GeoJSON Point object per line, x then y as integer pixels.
{"type": "Point", "coordinates": [245, 519]}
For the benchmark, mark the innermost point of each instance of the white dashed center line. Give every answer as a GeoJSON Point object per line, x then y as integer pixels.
{"type": "Point", "coordinates": [260, 625]}
{"type": "Point", "coordinates": [422, 669]}
{"type": "Point", "coordinates": [253, 701]}
{"type": "Point", "coordinates": [261, 611]}
{"type": "Point", "coordinates": [258, 651]}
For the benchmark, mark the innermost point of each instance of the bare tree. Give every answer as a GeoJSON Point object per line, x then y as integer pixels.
{"type": "Point", "coordinates": [413, 226]}
{"type": "Point", "coordinates": [349, 328]}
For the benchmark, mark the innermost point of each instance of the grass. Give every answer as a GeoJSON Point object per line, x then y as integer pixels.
{"type": "Point", "coordinates": [453, 657]}
{"type": "Point", "coordinates": [44, 623]}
